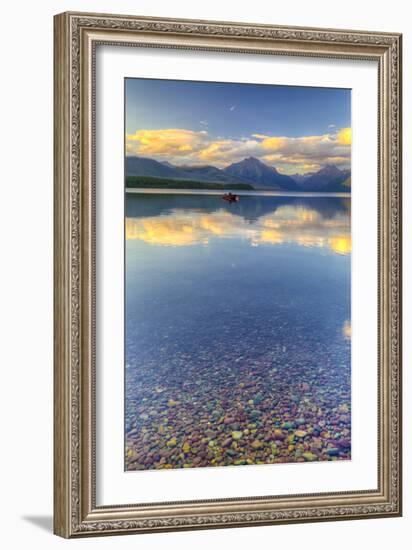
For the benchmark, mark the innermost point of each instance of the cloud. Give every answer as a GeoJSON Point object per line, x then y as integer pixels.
{"type": "Point", "coordinates": [232, 108]}
{"type": "Point", "coordinates": [172, 142]}
{"type": "Point", "coordinates": [204, 123]}
{"type": "Point", "coordinates": [345, 136]}
{"type": "Point", "coordinates": [307, 152]}
{"type": "Point", "coordinates": [288, 154]}
{"type": "Point", "coordinates": [225, 151]}
{"type": "Point", "coordinates": [273, 143]}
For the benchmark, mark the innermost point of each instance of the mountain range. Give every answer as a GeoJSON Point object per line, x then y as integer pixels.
{"type": "Point", "coordinates": [249, 171]}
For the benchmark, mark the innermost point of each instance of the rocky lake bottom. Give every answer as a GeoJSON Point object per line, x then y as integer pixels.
{"type": "Point", "coordinates": [237, 350]}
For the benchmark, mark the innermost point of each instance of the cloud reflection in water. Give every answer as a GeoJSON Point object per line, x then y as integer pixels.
{"type": "Point", "coordinates": [293, 224]}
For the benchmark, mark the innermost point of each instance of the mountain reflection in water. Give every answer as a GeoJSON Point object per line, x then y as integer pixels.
{"type": "Point", "coordinates": [238, 330]}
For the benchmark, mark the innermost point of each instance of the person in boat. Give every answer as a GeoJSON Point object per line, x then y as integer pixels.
{"type": "Point", "coordinates": [230, 197]}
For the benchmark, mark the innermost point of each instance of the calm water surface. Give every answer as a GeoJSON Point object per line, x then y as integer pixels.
{"type": "Point", "coordinates": [237, 330]}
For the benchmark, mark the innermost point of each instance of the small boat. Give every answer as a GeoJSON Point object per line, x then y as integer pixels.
{"type": "Point", "coordinates": [230, 197]}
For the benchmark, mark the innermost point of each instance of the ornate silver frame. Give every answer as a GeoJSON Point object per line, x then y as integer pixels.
{"type": "Point", "coordinates": [76, 36]}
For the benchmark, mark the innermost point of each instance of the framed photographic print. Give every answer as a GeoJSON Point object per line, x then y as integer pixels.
{"type": "Point", "coordinates": [227, 274]}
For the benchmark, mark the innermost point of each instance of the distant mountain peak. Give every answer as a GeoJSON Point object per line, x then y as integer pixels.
{"type": "Point", "coordinates": [167, 163]}
{"type": "Point", "coordinates": [254, 160]}
{"type": "Point", "coordinates": [258, 173]}
{"type": "Point", "coordinates": [330, 169]}
{"type": "Point", "coordinates": [329, 178]}
{"type": "Point", "coordinates": [146, 167]}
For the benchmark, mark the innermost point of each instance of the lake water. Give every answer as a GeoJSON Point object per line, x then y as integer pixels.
{"type": "Point", "coordinates": [237, 330]}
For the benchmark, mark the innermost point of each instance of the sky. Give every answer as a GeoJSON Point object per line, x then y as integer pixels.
{"type": "Point", "coordinates": [294, 128]}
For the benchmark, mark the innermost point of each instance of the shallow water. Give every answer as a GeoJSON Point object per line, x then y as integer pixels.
{"type": "Point", "coordinates": [237, 330]}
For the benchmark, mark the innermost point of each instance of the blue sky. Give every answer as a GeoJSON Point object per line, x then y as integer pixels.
{"type": "Point", "coordinates": [296, 129]}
